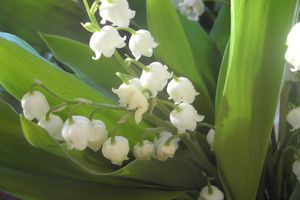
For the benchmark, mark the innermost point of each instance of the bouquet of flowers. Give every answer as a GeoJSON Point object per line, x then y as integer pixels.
{"type": "Point", "coordinates": [157, 105]}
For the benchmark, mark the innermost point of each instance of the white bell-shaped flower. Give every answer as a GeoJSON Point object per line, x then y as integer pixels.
{"type": "Point", "coordinates": [106, 41]}
{"type": "Point", "coordinates": [215, 194]}
{"type": "Point", "coordinates": [181, 90]}
{"type": "Point", "coordinates": [116, 152]}
{"type": "Point", "coordinates": [131, 96]}
{"type": "Point", "coordinates": [117, 12]}
{"type": "Point", "coordinates": [155, 78]}
{"type": "Point", "coordinates": [35, 105]}
{"type": "Point", "coordinates": [296, 169]}
{"type": "Point", "coordinates": [293, 118]}
{"type": "Point", "coordinates": [53, 125]}
{"type": "Point", "coordinates": [98, 136]}
{"type": "Point", "coordinates": [185, 118]}
{"type": "Point", "coordinates": [142, 43]}
{"type": "Point", "coordinates": [77, 132]}
{"type": "Point", "coordinates": [163, 150]}
{"type": "Point", "coordinates": [144, 151]}
{"type": "Point", "coordinates": [210, 138]}
{"type": "Point", "coordinates": [292, 54]}
{"type": "Point", "coordinates": [192, 9]}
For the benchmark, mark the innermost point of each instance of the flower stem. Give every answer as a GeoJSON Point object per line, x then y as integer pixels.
{"type": "Point", "coordinates": [91, 15]}
{"type": "Point", "coordinates": [129, 30]}
{"type": "Point", "coordinates": [72, 111]}
{"type": "Point", "coordinates": [57, 108]}
{"type": "Point", "coordinates": [124, 65]}
{"type": "Point", "coordinates": [172, 105]}
{"type": "Point", "coordinates": [137, 63]}
{"type": "Point", "coordinates": [206, 125]}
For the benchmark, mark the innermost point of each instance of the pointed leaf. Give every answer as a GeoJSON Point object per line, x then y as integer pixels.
{"type": "Point", "coordinates": [250, 94]}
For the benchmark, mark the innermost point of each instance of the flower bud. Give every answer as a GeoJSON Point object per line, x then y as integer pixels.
{"type": "Point", "coordinates": [215, 194]}
{"type": "Point", "coordinates": [53, 125]}
{"type": "Point", "coordinates": [116, 151]}
{"type": "Point", "coordinates": [296, 169]}
{"type": "Point", "coordinates": [77, 132]}
{"type": "Point", "coordinates": [144, 151]}
{"type": "Point", "coordinates": [35, 105]}
{"type": "Point", "coordinates": [130, 96]}
{"type": "Point", "coordinates": [89, 27]}
{"type": "Point", "coordinates": [181, 90]}
{"type": "Point", "coordinates": [163, 150]}
{"type": "Point", "coordinates": [185, 118]}
{"type": "Point", "coordinates": [106, 41]}
{"type": "Point", "coordinates": [155, 78]}
{"type": "Point", "coordinates": [193, 9]}
{"type": "Point", "coordinates": [142, 43]}
{"type": "Point", "coordinates": [293, 118]}
{"type": "Point", "coordinates": [98, 136]}
{"type": "Point", "coordinates": [210, 138]}
{"type": "Point", "coordinates": [117, 12]}
{"type": "Point", "coordinates": [292, 54]}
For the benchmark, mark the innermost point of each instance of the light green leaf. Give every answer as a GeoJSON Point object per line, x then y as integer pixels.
{"type": "Point", "coordinates": [251, 90]}
{"type": "Point", "coordinates": [174, 48]}
{"type": "Point", "coordinates": [19, 68]}
{"type": "Point", "coordinates": [101, 74]}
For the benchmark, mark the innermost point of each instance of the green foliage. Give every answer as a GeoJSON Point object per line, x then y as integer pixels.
{"type": "Point", "coordinates": [174, 49]}
{"type": "Point", "coordinates": [250, 93]}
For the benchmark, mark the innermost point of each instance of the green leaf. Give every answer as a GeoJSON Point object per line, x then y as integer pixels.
{"type": "Point", "coordinates": [39, 186]}
{"type": "Point", "coordinates": [26, 18]}
{"type": "Point", "coordinates": [174, 48]}
{"type": "Point", "coordinates": [251, 90]}
{"type": "Point", "coordinates": [205, 53]}
{"type": "Point", "coordinates": [19, 68]}
{"type": "Point", "coordinates": [220, 32]}
{"type": "Point", "coordinates": [101, 74]}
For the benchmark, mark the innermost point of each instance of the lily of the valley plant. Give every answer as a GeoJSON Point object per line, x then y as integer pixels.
{"type": "Point", "coordinates": [165, 111]}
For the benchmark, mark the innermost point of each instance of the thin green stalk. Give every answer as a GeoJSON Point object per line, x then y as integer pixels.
{"type": "Point", "coordinates": [124, 65]}
{"type": "Point", "coordinates": [129, 30]}
{"type": "Point", "coordinates": [91, 15]}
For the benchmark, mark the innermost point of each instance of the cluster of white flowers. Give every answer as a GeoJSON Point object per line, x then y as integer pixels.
{"type": "Point", "coordinates": [79, 132]}
{"type": "Point", "coordinates": [192, 9]}
{"type": "Point", "coordinates": [107, 39]}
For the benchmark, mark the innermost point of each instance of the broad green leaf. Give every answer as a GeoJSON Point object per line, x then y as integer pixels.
{"type": "Point", "coordinates": [40, 186]}
{"type": "Point", "coordinates": [19, 68]}
{"type": "Point", "coordinates": [251, 90]}
{"type": "Point", "coordinates": [174, 48]}
{"type": "Point", "coordinates": [221, 29]}
{"type": "Point", "coordinates": [26, 18]}
{"type": "Point", "coordinates": [100, 74]}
